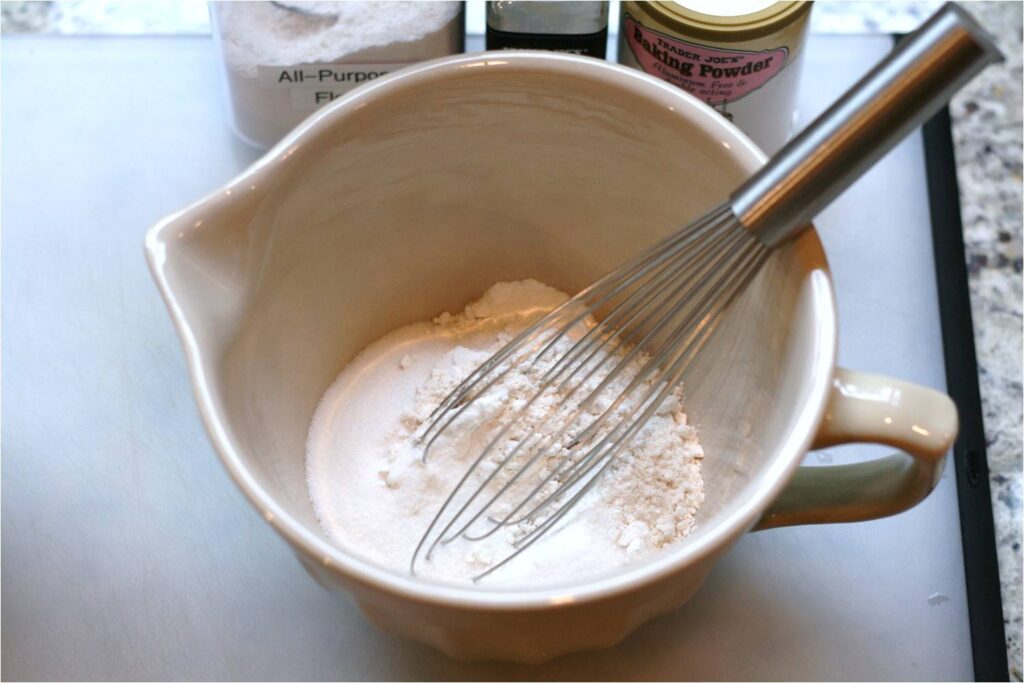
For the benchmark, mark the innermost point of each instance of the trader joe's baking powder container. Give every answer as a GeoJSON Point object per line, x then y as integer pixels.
{"type": "Point", "coordinates": [743, 58]}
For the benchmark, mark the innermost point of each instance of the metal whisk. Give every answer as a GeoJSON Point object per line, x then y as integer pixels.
{"type": "Point", "coordinates": [607, 359]}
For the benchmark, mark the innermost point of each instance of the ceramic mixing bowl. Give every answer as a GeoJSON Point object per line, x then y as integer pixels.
{"type": "Point", "coordinates": [413, 195]}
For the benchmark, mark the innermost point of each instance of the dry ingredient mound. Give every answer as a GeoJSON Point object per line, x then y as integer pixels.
{"type": "Point", "coordinates": [374, 495]}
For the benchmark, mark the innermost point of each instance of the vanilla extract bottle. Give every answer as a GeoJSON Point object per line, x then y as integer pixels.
{"type": "Point", "coordinates": [576, 27]}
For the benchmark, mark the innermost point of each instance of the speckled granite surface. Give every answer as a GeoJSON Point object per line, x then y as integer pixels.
{"type": "Point", "coordinates": [988, 138]}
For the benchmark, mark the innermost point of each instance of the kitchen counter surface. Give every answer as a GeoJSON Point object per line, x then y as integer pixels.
{"type": "Point", "coordinates": [988, 139]}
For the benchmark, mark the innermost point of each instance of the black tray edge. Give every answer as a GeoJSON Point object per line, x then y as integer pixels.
{"type": "Point", "coordinates": [977, 530]}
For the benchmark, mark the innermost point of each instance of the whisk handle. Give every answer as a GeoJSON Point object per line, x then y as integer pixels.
{"type": "Point", "coordinates": [896, 96]}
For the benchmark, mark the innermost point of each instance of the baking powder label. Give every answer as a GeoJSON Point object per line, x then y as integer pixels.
{"type": "Point", "coordinates": [313, 85]}
{"type": "Point", "coordinates": [712, 75]}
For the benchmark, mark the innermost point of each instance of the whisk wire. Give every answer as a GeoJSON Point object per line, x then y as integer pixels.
{"type": "Point", "coordinates": [581, 439]}
{"type": "Point", "coordinates": [619, 280]}
{"type": "Point", "coordinates": [659, 309]}
{"type": "Point", "coordinates": [594, 458]}
{"type": "Point", "coordinates": [563, 364]}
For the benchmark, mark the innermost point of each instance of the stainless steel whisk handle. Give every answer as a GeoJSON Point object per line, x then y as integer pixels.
{"type": "Point", "coordinates": [896, 96]}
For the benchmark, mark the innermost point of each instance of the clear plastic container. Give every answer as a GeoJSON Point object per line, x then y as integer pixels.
{"type": "Point", "coordinates": [283, 60]}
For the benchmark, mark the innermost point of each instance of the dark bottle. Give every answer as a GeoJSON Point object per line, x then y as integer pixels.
{"type": "Point", "coordinates": [577, 27]}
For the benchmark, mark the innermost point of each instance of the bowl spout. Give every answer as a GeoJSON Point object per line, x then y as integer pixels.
{"type": "Point", "coordinates": [200, 259]}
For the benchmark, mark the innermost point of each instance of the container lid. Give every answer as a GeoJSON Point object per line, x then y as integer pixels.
{"type": "Point", "coordinates": [734, 20]}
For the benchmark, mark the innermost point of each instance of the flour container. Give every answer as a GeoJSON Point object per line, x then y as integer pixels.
{"type": "Point", "coordinates": [284, 60]}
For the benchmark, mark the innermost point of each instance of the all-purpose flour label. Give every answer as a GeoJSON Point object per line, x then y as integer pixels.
{"type": "Point", "coordinates": [314, 85]}
{"type": "Point", "coordinates": [715, 76]}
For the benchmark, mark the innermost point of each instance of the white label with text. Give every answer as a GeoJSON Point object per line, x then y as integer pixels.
{"type": "Point", "coordinates": [314, 85]}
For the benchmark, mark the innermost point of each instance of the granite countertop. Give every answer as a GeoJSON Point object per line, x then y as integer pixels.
{"type": "Point", "coordinates": [988, 143]}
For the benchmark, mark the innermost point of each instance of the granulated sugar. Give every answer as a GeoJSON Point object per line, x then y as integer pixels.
{"type": "Point", "coordinates": [375, 496]}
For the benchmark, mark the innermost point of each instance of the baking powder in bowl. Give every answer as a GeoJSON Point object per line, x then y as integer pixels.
{"type": "Point", "coordinates": [375, 496]}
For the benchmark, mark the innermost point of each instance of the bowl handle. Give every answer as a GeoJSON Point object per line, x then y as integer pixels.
{"type": "Point", "coordinates": [871, 408]}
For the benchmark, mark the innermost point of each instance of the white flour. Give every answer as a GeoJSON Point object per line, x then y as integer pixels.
{"type": "Point", "coordinates": [374, 38]}
{"type": "Point", "coordinates": [266, 34]}
{"type": "Point", "coordinates": [374, 495]}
